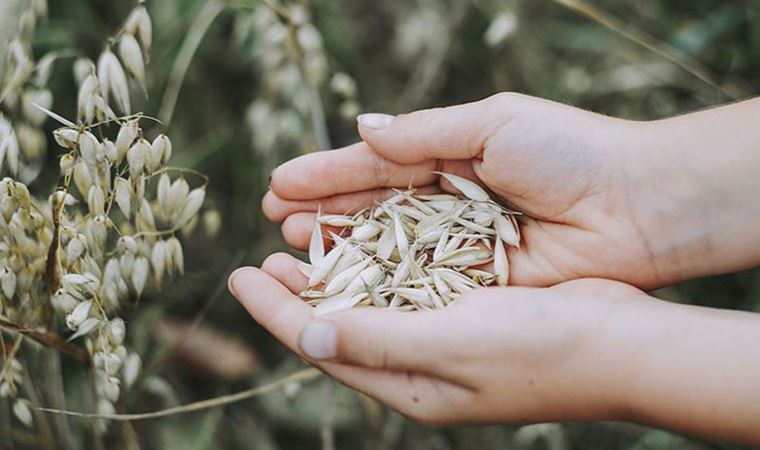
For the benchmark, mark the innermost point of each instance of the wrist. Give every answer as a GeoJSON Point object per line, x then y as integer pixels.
{"type": "Point", "coordinates": [691, 193]}
{"type": "Point", "coordinates": [598, 386]}
{"type": "Point", "coordinates": [687, 366]}
{"type": "Point", "coordinates": [635, 326]}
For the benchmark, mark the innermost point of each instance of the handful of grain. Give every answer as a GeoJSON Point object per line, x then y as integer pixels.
{"type": "Point", "coordinates": [412, 251]}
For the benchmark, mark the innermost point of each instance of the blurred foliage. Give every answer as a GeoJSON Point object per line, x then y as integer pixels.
{"type": "Point", "coordinates": [403, 55]}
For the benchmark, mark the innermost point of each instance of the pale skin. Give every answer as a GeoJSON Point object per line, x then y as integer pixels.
{"type": "Point", "coordinates": [646, 204]}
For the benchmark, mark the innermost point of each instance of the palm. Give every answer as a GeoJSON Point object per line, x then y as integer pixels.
{"type": "Point", "coordinates": [572, 192]}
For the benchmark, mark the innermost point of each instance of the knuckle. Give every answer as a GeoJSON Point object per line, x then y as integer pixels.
{"type": "Point", "coordinates": [422, 118]}
{"type": "Point", "coordinates": [378, 352]}
{"type": "Point", "coordinates": [382, 170]}
{"type": "Point", "coordinates": [502, 98]}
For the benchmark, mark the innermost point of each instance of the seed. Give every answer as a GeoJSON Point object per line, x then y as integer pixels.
{"type": "Point", "coordinates": [324, 265]}
{"type": "Point", "coordinates": [316, 245]}
{"type": "Point", "coordinates": [127, 135]}
{"type": "Point", "coordinates": [140, 274]}
{"type": "Point", "coordinates": [78, 315]}
{"type": "Point", "coordinates": [139, 23]}
{"type": "Point", "coordinates": [466, 187]}
{"type": "Point", "coordinates": [338, 303]}
{"type": "Point", "coordinates": [131, 56]}
{"type": "Point", "coordinates": [85, 328]}
{"type": "Point", "coordinates": [23, 413]}
{"type": "Point", "coordinates": [158, 258]}
{"type": "Point", "coordinates": [114, 80]}
{"type": "Point", "coordinates": [123, 196]}
{"type": "Point", "coordinates": [465, 256]}
{"type": "Point", "coordinates": [500, 263]}
{"type": "Point", "coordinates": [344, 278]}
{"type": "Point", "coordinates": [338, 221]}
{"type": "Point", "coordinates": [192, 206]}
{"type": "Point", "coordinates": [506, 230]}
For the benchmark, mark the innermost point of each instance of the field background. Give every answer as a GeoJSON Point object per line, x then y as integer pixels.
{"type": "Point", "coordinates": [236, 118]}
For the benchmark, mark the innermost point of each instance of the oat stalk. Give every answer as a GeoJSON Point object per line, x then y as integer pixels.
{"type": "Point", "coordinates": [301, 376]}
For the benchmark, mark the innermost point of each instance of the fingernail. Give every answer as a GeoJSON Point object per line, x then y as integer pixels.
{"type": "Point", "coordinates": [375, 121]}
{"type": "Point", "coordinates": [271, 174]}
{"type": "Point", "coordinates": [319, 340]}
{"type": "Point", "coordinates": [231, 279]}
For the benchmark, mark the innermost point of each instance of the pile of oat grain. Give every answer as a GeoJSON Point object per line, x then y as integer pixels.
{"type": "Point", "coordinates": [412, 251]}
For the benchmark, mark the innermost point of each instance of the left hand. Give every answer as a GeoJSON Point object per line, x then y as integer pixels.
{"type": "Point", "coordinates": [504, 355]}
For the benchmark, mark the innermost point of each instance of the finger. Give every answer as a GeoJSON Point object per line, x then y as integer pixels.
{"type": "Point", "coordinates": [456, 132]}
{"type": "Point", "coordinates": [419, 342]}
{"type": "Point", "coordinates": [270, 304]}
{"type": "Point", "coordinates": [277, 208]}
{"type": "Point", "coordinates": [296, 229]}
{"type": "Point", "coordinates": [284, 268]}
{"type": "Point", "coordinates": [350, 169]}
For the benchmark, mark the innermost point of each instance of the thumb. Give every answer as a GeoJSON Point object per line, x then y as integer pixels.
{"type": "Point", "coordinates": [455, 132]}
{"type": "Point", "coordinates": [377, 339]}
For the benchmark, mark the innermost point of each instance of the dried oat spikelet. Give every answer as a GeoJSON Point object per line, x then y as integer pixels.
{"type": "Point", "coordinates": [23, 96]}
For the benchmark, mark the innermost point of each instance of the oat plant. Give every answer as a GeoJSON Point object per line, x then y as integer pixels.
{"type": "Point", "coordinates": [70, 260]}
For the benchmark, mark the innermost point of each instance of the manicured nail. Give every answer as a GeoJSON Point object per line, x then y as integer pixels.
{"type": "Point", "coordinates": [319, 340]}
{"type": "Point", "coordinates": [375, 121]}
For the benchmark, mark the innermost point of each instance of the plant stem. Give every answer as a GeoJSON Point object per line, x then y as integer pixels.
{"type": "Point", "coordinates": [299, 376]}
{"type": "Point", "coordinates": [316, 109]}
{"type": "Point", "coordinates": [651, 43]}
{"type": "Point", "coordinates": [198, 29]}
{"type": "Point", "coordinates": [327, 432]}
{"type": "Point", "coordinates": [42, 422]}
{"type": "Point", "coordinates": [53, 383]}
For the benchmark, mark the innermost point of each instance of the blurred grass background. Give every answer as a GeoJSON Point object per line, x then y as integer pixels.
{"type": "Point", "coordinates": [403, 55]}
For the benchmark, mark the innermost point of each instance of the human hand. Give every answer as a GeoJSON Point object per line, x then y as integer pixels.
{"type": "Point", "coordinates": [647, 203]}
{"type": "Point", "coordinates": [563, 167]}
{"type": "Point", "coordinates": [495, 355]}
{"type": "Point", "coordinates": [582, 350]}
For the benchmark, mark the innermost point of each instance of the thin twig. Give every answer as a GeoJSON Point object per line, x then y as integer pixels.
{"type": "Point", "coordinates": [49, 340]}
{"type": "Point", "coordinates": [327, 431]}
{"type": "Point", "coordinates": [300, 376]}
{"type": "Point", "coordinates": [653, 44]}
{"type": "Point", "coordinates": [54, 389]}
{"type": "Point", "coordinates": [43, 425]}
{"type": "Point", "coordinates": [198, 29]}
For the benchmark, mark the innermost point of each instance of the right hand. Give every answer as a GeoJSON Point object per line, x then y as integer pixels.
{"type": "Point", "coordinates": [579, 178]}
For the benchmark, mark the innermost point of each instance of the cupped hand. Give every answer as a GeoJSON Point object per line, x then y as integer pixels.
{"type": "Point", "coordinates": [506, 355]}
{"type": "Point", "coordinates": [565, 168]}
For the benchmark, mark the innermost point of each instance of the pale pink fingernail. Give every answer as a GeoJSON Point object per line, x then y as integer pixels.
{"type": "Point", "coordinates": [319, 340]}
{"type": "Point", "coordinates": [375, 121]}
